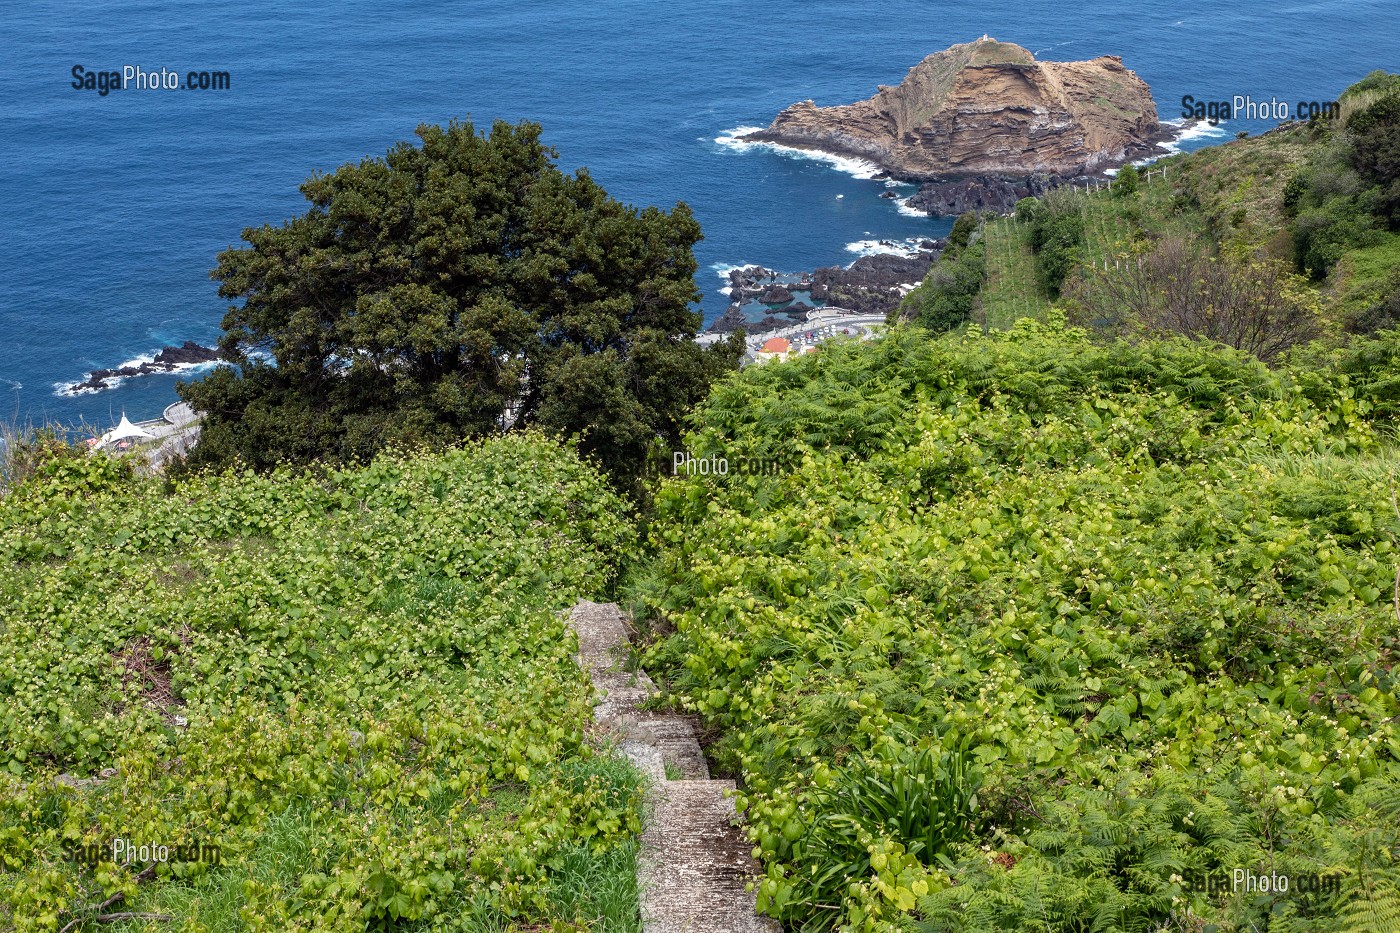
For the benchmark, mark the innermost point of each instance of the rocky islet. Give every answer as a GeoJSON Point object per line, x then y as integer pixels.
{"type": "Point", "coordinates": [167, 360]}
{"type": "Point", "coordinates": [982, 124]}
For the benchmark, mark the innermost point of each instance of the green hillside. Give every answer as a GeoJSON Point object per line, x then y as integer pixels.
{"type": "Point", "coordinates": [355, 684]}
{"type": "Point", "coordinates": [1311, 208]}
{"type": "Point", "coordinates": [1069, 607]}
{"type": "Point", "coordinates": [1043, 634]}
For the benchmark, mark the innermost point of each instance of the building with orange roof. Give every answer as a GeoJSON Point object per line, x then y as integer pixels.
{"type": "Point", "coordinates": [775, 348]}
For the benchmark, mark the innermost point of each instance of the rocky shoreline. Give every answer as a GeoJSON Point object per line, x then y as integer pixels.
{"type": "Point", "coordinates": [168, 360]}
{"type": "Point", "coordinates": [871, 285]}
{"type": "Point", "coordinates": [951, 195]}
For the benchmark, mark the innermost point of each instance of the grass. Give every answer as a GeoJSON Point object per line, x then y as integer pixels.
{"type": "Point", "coordinates": [1010, 290]}
{"type": "Point", "coordinates": [600, 892]}
{"type": "Point", "coordinates": [1230, 195]}
{"type": "Point", "coordinates": [593, 891]}
{"type": "Point", "coordinates": [1115, 230]}
{"type": "Point", "coordinates": [1361, 277]}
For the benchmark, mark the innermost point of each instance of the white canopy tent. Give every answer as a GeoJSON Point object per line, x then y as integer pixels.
{"type": "Point", "coordinates": [124, 431]}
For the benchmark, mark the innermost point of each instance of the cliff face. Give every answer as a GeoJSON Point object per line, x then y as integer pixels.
{"type": "Point", "coordinates": [985, 107]}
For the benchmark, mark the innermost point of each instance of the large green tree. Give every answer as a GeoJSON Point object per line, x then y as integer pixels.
{"type": "Point", "coordinates": [459, 287]}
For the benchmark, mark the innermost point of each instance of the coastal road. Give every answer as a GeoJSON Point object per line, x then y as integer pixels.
{"type": "Point", "coordinates": [861, 327]}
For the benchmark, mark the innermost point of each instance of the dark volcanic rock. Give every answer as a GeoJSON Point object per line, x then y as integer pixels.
{"type": "Point", "coordinates": [731, 320]}
{"type": "Point", "coordinates": [186, 354]}
{"type": "Point", "coordinates": [747, 283]}
{"type": "Point", "coordinates": [870, 285]}
{"type": "Point", "coordinates": [879, 271]}
{"type": "Point", "coordinates": [775, 295]}
{"type": "Point", "coordinates": [888, 195]}
{"type": "Point", "coordinates": [999, 193]}
{"type": "Point", "coordinates": [167, 360]}
{"type": "Point", "coordinates": [769, 323]}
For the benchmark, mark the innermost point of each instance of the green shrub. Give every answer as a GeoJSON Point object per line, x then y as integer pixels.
{"type": "Point", "coordinates": [1323, 235]}
{"type": "Point", "coordinates": [1056, 236]}
{"type": "Point", "coordinates": [1149, 583]}
{"type": "Point", "coordinates": [949, 293]}
{"type": "Point", "coordinates": [356, 682]}
{"type": "Point", "coordinates": [961, 234]}
{"type": "Point", "coordinates": [1125, 183]}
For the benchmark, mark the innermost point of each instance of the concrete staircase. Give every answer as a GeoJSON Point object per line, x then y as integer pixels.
{"type": "Point", "coordinates": [694, 861]}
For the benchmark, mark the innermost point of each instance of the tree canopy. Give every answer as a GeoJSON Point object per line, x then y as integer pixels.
{"type": "Point", "coordinates": [459, 287]}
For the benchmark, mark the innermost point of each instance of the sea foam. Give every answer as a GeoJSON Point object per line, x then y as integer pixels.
{"type": "Point", "coordinates": [857, 168]}
{"type": "Point", "coordinates": [1198, 130]}
{"type": "Point", "coordinates": [907, 247]}
{"type": "Point", "coordinates": [69, 389]}
{"type": "Point", "coordinates": [902, 205]}
{"type": "Point", "coordinates": [722, 269]}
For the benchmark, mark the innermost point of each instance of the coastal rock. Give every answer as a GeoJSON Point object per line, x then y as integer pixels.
{"type": "Point", "coordinates": [186, 354]}
{"type": "Point", "coordinates": [986, 107]}
{"type": "Point", "coordinates": [881, 270]}
{"type": "Point", "coordinates": [168, 360]}
{"type": "Point", "coordinates": [775, 295]}
{"type": "Point", "coordinates": [999, 193]}
{"type": "Point", "coordinates": [747, 283]}
{"type": "Point", "coordinates": [731, 320]}
{"type": "Point", "coordinates": [871, 284]}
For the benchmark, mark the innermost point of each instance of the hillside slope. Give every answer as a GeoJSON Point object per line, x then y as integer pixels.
{"type": "Point", "coordinates": [1040, 634]}
{"type": "Point", "coordinates": [350, 694]}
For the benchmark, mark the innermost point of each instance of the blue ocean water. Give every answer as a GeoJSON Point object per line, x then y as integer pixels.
{"type": "Point", "coordinates": [115, 206]}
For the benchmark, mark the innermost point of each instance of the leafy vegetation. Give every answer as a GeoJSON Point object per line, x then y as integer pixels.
{"type": "Point", "coordinates": [1317, 196]}
{"type": "Point", "coordinates": [1346, 203]}
{"type": "Point", "coordinates": [1056, 235]}
{"type": "Point", "coordinates": [1254, 305]}
{"type": "Point", "coordinates": [1144, 588]}
{"type": "Point", "coordinates": [1125, 183]}
{"type": "Point", "coordinates": [948, 296]}
{"type": "Point", "coordinates": [357, 684]}
{"type": "Point", "coordinates": [454, 289]}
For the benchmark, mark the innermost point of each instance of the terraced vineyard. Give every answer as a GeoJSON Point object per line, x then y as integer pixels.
{"type": "Point", "coordinates": [1230, 196]}
{"type": "Point", "coordinates": [1010, 291]}
{"type": "Point", "coordinates": [1040, 634]}
{"type": "Point", "coordinates": [341, 700]}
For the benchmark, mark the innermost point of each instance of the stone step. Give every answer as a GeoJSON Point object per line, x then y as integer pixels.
{"type": "Point", "coordinates": [695, 863]}
{"type": "Point", "coordinates": [675, 738]}
{"type": "Point", "coordinates": [602, 636]}
{"type": "Point", "coordinates": [619, 696]}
